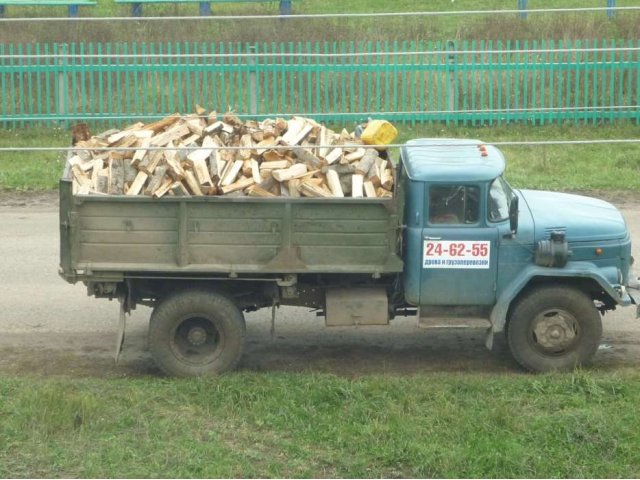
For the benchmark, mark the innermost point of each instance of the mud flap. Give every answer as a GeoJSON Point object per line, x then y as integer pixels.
{"type": "Point", "coordinates": [120, 327]}
{"type": "Point", "coordinates": [488, 341]}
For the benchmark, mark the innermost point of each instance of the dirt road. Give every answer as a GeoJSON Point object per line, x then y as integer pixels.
{"type": "Point", "coordinates": [50, 327]}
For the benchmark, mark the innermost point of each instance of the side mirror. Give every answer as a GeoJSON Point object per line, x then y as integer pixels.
{"type": "Point", "coordinates": [513, 215]}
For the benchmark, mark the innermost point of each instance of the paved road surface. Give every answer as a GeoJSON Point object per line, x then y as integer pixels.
{"type": "Point", "coordinates": [51, 327]}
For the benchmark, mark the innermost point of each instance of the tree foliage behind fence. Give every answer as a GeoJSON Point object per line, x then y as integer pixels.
{"type": "Point", "coordinates": [466, 82]}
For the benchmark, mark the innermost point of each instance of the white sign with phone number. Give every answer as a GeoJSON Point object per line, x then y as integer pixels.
{"type": "Point", "coordinates": [456, 254]}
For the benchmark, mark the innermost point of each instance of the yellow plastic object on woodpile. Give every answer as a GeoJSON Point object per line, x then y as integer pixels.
{"type": "Point", "coordinates": [379, 132]}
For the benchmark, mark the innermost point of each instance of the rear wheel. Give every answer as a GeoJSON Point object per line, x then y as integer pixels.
{"type": "Point", "coordinates": [196, 333]}
{"type": "Point", "coordinates": [554, 328]}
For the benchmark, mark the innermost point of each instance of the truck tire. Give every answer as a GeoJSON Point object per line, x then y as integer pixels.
{"type": "Point", "coordinates": [195, 333]}
{"type": "Point", "coordinates": [554, 328]}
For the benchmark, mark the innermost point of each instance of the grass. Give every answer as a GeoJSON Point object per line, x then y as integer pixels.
{"type": "Point", "coordinates": [31, 171]}
{"type": "Point", "coordinates": [587, 168]}
{"type": "Point", "coordinates": [309, 425]}
{"type": "Point", "coordinates": [580, 25]}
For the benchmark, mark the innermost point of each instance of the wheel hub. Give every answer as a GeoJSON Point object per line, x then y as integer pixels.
{"type": "Point", "coordinates": [197, 336]}
{"type": "Point", "coordinates": [555, 330]}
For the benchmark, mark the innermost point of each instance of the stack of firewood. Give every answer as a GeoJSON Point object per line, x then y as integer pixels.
{"type": "Point", "coordinates": [291, 158]}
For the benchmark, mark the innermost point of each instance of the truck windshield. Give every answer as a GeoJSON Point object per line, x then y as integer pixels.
{"type": "Point", "coordinates": [500, 195]}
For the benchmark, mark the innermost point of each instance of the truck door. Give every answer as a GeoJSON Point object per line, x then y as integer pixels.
{"type": "Point", "coordinates": [459, 247]}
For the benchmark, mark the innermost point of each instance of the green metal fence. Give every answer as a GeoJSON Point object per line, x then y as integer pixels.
{"type": "Point", "coordinates": [473, 82]}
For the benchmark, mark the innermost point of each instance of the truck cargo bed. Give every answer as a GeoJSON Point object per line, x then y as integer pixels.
{"type": "Point", "coordinates": [116, 235]}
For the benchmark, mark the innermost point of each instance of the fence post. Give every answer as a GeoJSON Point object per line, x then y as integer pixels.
{"type": "Point", "coordinates": [522, 7]}
{"type": "Point", "coordinates": [205, 9]}
{"type": "Point", "coordinates": [136, 9]}
{"type": "Point", "coordinates": [253, 94]}
{"type": "Point", "coordinates": [451, 73]}
{"type": "Point", "coordinates": [285, 7]}
{"type": "Point", "coordinates": [611, 5]}
{"type": "Point", "coordinates": [63, 82]}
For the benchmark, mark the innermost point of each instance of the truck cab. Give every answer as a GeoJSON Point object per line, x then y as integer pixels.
{"type": "Point", "coordinates": [540, 266]}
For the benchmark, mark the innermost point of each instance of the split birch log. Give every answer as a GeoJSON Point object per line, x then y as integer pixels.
{"type": "Point", "coordinates": [241, 184]}
{"type": "Point", "coordinates": [357, 182]}
{"type": "Point", "coordinates": [193, 184]}
{"type": "Point", "coordinates": [138, 183]}
{"type": "Point", "coordinates": [333, 179]}
{"type": "Point", "coordinates": [258, 191]}
{"type": "Point", "coordinates": [369, 189]}
{"type": "Point", "coordinates": [297, 170]}
{"type": "Point", "coordinates": [164, 188]}
{"type": "Point", "coordinates": [386, 179]}
{"type": "Point", "coordinates": [232, 173]}
{"type": "Point", "coordinates": [309, 189]}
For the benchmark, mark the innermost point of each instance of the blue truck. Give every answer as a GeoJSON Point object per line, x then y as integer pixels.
{"type": "Point", "coordinates": [455, 241]}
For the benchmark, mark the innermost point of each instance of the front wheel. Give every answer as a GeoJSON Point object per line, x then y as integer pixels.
{"type": "Point", "coordinates": [554, 328]}
{"type": "Point", "coordinates": [196, 333]}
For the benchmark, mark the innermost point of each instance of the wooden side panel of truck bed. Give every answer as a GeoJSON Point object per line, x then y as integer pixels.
{"type": "Point", "coordinates": [119, 234]}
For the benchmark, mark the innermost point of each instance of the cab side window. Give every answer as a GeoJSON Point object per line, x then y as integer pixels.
{"type": "Point", "coordinates": [454, 204]}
